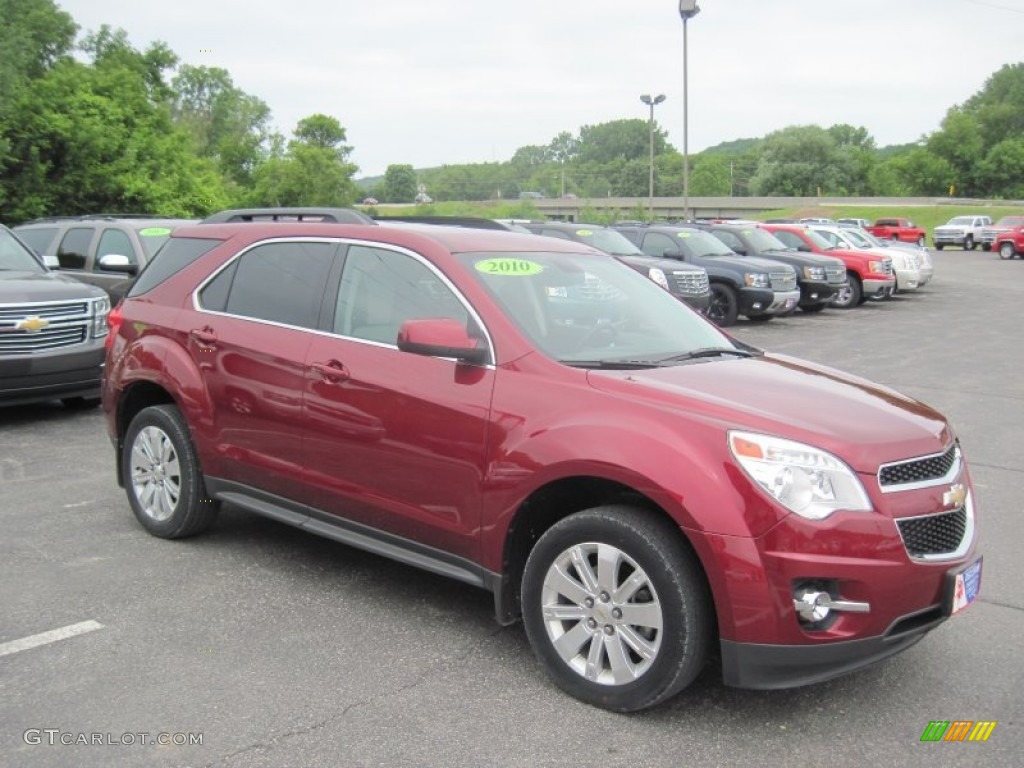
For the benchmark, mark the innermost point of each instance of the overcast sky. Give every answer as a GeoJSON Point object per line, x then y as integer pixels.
{"type": "Point", "coordinates": [463, 81]}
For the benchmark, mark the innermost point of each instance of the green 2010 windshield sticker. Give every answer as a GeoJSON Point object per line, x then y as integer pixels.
{"type": "Point", "coordinates": [509, 267]}
{"type": "Point", "coordinates": [584, 232]}
{"type": "Point", "coordinates": [683, 234]}
{"type": "Point", "coordinates": [155, 232]}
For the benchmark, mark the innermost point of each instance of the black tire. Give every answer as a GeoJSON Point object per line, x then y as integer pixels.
{"type": "Point", "coordinates": [895, 236]}
{"type": "Point", "coordinates": [80, 403]}
{"type": "Point", "coordinates": [852, 296]}
{"type": "Point", "coordinates": [724, 307]}
{"type": "Point", "coordinates": [986, 247]}
{"type": "Point", "coordinates": [812, 309]}
{"type": "Point", "coordinates": [921, 241]}
{"type": "Point", "coordinates": [1007, 250]}
{"type": "Point", "coordinates": [939, 246]}
{"type": "Point", "coordinates": [969, 244]}
{"type": "Point", "coordinates": [162, 477]}
{"type": "Point", "coordinates": [673, 592]}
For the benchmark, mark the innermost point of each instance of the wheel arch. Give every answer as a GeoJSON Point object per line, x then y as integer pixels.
{"type": "Point", "coordinates": [555, 501]}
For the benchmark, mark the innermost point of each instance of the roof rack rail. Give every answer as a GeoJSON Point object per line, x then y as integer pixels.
{"type": "Point", "coordinates": [471, 222]}
{"type": "Point", "coordinates": [264, 215]}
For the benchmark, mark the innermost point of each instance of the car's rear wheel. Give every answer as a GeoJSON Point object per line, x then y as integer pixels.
{"type": "Point", "coordinates": [616, 608]}
{"type": "Point", "coordinates": [724, 307]}
{"type": "Point", "coordinates": [921, 241]}
{"type": "Point", "coordinates": [986, 246]}
{"type": "Point", "coordinates": [939, 246]}
{"type": "Point", "coordinates": [1007, 250]}
{"type": "Point", "coordinates": [969, 243]}
{"type": "Point", "coordinates": [162, 476]}
{"type": "Point", "coordinates": [851, 295]}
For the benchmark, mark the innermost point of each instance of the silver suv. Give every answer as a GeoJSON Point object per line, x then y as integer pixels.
{"type": "Point", "coordinates": [104, 250]}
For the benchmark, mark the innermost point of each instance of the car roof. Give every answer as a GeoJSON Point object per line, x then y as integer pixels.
{"type": "Point", "coordinates": [410, 235]}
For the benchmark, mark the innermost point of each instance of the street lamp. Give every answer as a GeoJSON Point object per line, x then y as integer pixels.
{"type": "Point", "coordinates": [646, 99]}
{"type": "Point", "coordinates": [687, 10]}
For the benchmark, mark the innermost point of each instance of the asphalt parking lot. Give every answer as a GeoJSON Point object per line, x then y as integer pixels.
{"type": "Point", "coordinates": [276, 648]}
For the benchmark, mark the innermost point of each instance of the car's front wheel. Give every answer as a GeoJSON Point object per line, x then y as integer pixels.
{"type": "Point", "coordinates": [969, 243]}
{"type": "Point", "coordinates": [1007, 250]}
{"type": "Point", "coordinates": [724, 307]}
{"type": "Point", "coordinates": [616, 607]}
{"type": "Point", "coordinates": [162, 476]}
{"type": "Point", "coordinates": [850, 295]}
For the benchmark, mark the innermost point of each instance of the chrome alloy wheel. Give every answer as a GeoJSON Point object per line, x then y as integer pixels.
{"type": "Point", "coordinates": [602, 614]}
{"type": "Point", "coordinates": [155, 473]}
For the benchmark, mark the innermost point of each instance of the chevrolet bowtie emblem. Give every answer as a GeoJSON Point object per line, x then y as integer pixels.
{"type": "Point", "coordinates": [955, 496]}
{"type": "Point", "coordinates": [32, 324]}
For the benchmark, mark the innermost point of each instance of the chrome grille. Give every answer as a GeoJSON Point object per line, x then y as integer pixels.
{"type": "Point", "coordinates": [68, 325]}
{"type": "Point", "coordinates": [835, 274]}
{"type": "Point", "coordinates": [692, 283]}
{"type": "Point", "coordinates": [933, 534]}
{"type": "Point", "coordinates": [783, 281]}
{"type": "Point", "coordinates": [887, 267]}
{"type": "Point", "coordinates": [919, 470]}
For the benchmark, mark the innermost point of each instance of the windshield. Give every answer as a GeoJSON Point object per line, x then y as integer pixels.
{"type": "Point", "coordinates": [858, 238]}
{"type": "Point", "coordinates": [589, 311]}
{"type": "Point", "coordinates": [16, 257]}
{"type": "Point", "coordinates": [762, 240]}
{"type": "Point", "coordinates": [607, 240]}
{"type": "Point", "coordinates": [822, 242]}
{"type": "Point", "coordinates": [702, 244]}
{"type": "Point", "coordinates": [1011, 221]}
{"type": "Point", "coordinates": [964, 221]}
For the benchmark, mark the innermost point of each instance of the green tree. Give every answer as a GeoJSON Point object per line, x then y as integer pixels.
{"type": "Point", "coordinates": [227, 125]}
{"type": "Point", "coordinates": [313, 171]}
{"type": "Point", "coordinates": [400, 184]}
{"type": "Point", "coordinates": [1003, 168]}
{"type": "Point", "coordinates": [618, 139]}
{"type": "Point", "coordinates": [710, 176]}
{"type": "Point", "coordinates": [799, 161]}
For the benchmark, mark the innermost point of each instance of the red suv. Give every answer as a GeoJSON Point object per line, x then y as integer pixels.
{"type": "Point", "coordinates": [531, 417]}
{"type": "Point", "coordinates": [869, 275]}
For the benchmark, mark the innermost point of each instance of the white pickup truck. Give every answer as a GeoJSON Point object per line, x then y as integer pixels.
{"type": "Point", "coordinates": [964, 231]}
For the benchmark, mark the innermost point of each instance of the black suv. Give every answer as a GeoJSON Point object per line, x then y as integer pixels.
{"type": "Point", "coordinates": [820, 278]}
{"type": "Point", "coordinates": [52, 331]}
{"type": "Point", "coordinates": [756, 288]}
{"type": "Point", "coordinates": [107, 250]}
{"type": "Point", "coordinates": [684, 281]}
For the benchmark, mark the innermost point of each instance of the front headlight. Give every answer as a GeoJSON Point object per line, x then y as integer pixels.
{"type": "Point", "coordinates": [100, 310]}
{"type": "Point", "coordinates": [757, 280]}
{"type": "Point", "coordinates": [878, 267]}
{"type": "Point", "coordinates": [814, 273]}
{"type": "Point", "coordinates": [658, 276]}
{"type": "Point", "coordinates": [806, 480]}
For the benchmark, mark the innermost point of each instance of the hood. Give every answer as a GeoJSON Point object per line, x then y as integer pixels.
{"type": "Point", "coordinates": [18, 287]}
{"type": "Point", "coordinates": [752, 263]}
{"type": "Point", "coordinates": [863, 423]}
{"type": "Point", "coordinates": [802, 258]}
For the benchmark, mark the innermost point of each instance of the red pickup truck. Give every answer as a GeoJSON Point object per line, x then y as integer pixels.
{"type": "Point", "coordinates": [898, 229]}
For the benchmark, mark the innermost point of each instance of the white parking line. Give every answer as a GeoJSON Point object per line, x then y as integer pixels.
{"type": "Point", "coordinates": [52, 636]}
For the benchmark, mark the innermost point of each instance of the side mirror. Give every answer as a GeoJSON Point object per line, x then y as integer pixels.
{"type": "Point", "coordinates": [115, 262]}
{"type": "Point", "coordinates": [678, 255]}
{"type": "Point", "coordinates": [741, 250]}
{"type": "Point", "coordinates": [804, 248]}
{"type": "Point", "coordinates": [441, 337]}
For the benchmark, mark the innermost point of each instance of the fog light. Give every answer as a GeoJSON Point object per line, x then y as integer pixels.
{"type": "Point", "coordinates": [814, 605]}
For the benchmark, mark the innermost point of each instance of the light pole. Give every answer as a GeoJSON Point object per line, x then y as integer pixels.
{"type": "Point", "coordinates": [687, 10]}
{"type": "Point", "coordinates": [646, 99]}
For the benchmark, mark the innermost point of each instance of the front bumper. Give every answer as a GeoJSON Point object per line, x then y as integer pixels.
{"type": "Point", "coordinates": [949, 238]}
{"type": "Point", "coordinates": [878, 287]}
{"type": "Point", "coordinates": [813, 293]}
{"type": "Point", "coordinates": [52, 375]}
{"type": "Point", "coordinates": [763, 301]}
{"type": "Point", "coordinates": [699, 302]}
{"type": "Point", "coordinates": [907, 279]}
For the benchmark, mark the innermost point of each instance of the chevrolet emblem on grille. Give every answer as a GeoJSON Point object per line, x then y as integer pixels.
{"type": "Point", "coordinates": [32, 324]}
{"type": "Point", "coordinates": [955, 496]}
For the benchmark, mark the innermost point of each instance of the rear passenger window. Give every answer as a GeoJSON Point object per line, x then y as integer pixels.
{"type": "Point", "coordinates": [281, 282]}
{"type": "Point", "coordinates": [74, 248]}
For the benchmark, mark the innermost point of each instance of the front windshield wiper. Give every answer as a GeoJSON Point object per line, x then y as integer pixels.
{"type": "Point", "coordinates": [613, 364]}
{"type": "Point", "coordinates": [696, 354]}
